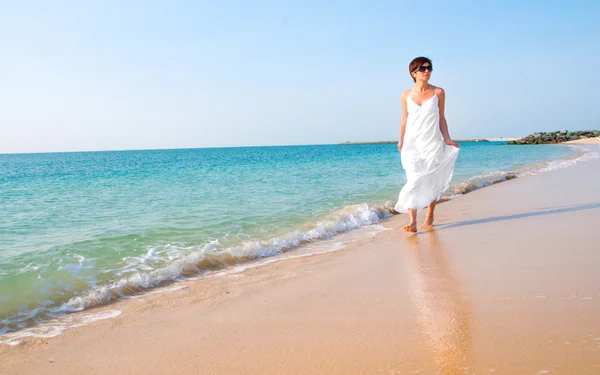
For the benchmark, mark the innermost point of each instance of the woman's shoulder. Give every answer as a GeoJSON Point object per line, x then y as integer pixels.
{"type": "Point", "coordinates": [405, 94]}
{"type": "Point", "coordinates": [439, 90]}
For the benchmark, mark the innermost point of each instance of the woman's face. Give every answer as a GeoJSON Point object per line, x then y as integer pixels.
{"type": "Point", "coordinates": [423, 73]}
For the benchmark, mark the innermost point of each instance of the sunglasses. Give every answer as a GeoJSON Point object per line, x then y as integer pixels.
{"type": "Point", "coordinates": [423, 68]}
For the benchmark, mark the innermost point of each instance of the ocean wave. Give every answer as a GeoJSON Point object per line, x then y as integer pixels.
{"type": "Point", "coordinates": [212, 256]}
{"type": "Point", "coordinates": [478, 182]}
{"type": "Point", "coordinates": [56, 327]}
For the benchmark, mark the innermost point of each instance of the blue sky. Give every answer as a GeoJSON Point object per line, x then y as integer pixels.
{"type": "Point", "coordinates": [112, 75]}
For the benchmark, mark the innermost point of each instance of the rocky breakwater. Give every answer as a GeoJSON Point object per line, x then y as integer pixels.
{"type": "Point", "coordinates": [555, 137]}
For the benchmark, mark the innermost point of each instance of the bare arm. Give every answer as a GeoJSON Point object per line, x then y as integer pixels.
{"type": "Point", "coordinates": [443, 123]}
{"type": "Point", "coordinates": [403, 121]}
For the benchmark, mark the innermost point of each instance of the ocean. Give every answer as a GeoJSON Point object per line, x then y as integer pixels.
{"type": "Point", "coordinates": [79, 230]}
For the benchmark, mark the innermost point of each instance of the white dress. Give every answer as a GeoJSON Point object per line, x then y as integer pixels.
{"type": "Point", "coordinates": [426, 158]}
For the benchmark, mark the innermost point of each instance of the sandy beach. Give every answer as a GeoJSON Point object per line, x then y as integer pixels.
{"type": "Point", "coordinates": [586, 141]}
{"type": "Point", "coordinates": [506, 282]}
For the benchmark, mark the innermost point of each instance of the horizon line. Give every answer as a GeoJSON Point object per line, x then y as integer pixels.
{"type": "Point", "coordinates": [217, 147]}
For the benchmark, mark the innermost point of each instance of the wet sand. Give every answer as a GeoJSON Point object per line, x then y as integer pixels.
{"type": "Point", "coordinates": [507, 282]}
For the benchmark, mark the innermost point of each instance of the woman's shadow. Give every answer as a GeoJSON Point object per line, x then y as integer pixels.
{"type": "Point", "coordinates": [442, 310]}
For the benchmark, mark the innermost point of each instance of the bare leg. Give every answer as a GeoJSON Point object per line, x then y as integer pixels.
{"type": "Point", "coordinates": [412, 225]}
{"type": "Point", "coordinates": [429, 217]}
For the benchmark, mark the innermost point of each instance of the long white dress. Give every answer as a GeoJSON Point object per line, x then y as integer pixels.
{"type": "Point", "coordinates": [426, 158]}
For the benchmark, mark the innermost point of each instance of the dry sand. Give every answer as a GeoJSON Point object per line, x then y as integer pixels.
{"type": "Point", "coordinates": [507, 282]}
{"type": "Point", "coordinates": [586, 141]}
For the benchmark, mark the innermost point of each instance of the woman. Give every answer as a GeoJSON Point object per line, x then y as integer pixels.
{"type": "Point", "coordinates": [427, 151]}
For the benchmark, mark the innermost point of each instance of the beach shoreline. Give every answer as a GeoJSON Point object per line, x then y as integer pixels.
{"type": "Point", "coordinates": [355, 191]}
{"type": "Point", "coordinates": [491, 287]}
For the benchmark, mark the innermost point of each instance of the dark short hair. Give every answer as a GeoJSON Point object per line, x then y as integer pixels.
{"type": "Point", "coordinates": [416, 64]}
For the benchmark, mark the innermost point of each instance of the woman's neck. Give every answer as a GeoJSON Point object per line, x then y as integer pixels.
{"type": "Point", "coordinates": [422, 86]}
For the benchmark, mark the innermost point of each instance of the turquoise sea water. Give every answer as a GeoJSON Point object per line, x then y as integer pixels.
{"type": "Point", "coordinates": [80, 229]}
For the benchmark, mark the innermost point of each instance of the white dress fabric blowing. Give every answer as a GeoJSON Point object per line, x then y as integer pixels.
{"type": "Point", "coordinates": [426, 158]}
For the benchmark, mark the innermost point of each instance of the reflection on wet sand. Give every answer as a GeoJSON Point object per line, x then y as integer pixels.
{"type": "Point", "coordinates": [442, 310]}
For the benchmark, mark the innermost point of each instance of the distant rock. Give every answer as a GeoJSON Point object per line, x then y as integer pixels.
{"type": "Point", "coordinates": [555, 137]}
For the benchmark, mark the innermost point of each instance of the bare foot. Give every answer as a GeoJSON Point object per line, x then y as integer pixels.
{"type": "Point", "coordinates": [411, 227]}
{"type": "Point", "coordinates": [428, 222]}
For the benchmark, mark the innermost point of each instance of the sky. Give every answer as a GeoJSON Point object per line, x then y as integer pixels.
{"type": "Point", "coordinates": [123, 75]}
